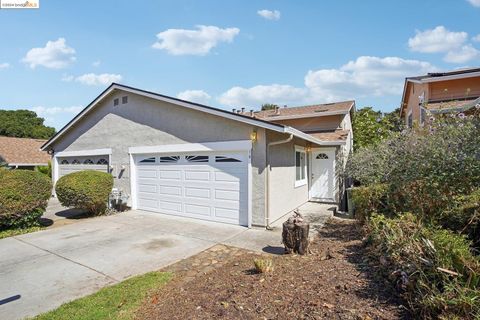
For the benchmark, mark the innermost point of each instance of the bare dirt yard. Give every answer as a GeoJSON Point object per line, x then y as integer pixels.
{"type": "Point", "coordinates": [221, 283]}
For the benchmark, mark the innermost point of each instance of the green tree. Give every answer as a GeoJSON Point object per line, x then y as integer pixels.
{"type": "Point", "coordinates": [371, 127]}
{"type": "Point", "coordinates": [268, 106]}
{"type": "Point", "coordinates": [23, 124]}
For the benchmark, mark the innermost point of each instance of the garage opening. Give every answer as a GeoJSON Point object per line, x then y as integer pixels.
{"type": "Point", "coordinates": [203, 185]}
{"type": "Point", "coordinates": [68, 165]}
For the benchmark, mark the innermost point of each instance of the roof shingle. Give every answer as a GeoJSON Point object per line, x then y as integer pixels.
{"type": "Point", "coordinates": [304, 111]}
{"type": "Point", "coordinates": [22, 151]}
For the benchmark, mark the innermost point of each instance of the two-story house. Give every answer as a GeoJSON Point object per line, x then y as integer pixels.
{"type": "Point", "coordinates": [441, 92]}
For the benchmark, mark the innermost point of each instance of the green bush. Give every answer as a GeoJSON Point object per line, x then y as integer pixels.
{"type": "Point", "coordinates": [23, 198]}
{"type": "Point", "coordinates": [88, 190]}
{"type": "Point", "coordinates": [433, 268]}
{"type": "Point", "coordinates": [368, 200]}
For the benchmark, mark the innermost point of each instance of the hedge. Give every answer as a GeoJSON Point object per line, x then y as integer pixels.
{"type": "Point", "coordinates": [23, 198]}
{"type": "Point", "coordinates": [87, 190]}
{"type": "Point", "coordinates": [368, 200]}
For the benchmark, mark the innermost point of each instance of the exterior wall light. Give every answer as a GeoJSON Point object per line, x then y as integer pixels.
{"type": "Point", "coordinates": [253, 136]}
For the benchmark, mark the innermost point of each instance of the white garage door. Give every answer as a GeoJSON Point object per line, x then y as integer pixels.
{"type": "Point", "coordinates": [68, 165]}
{"type": "Point", "coordinates": [207, 186]}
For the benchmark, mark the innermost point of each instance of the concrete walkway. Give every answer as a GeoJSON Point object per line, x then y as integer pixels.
{"type": "Point", "coordinates": [40, 271]}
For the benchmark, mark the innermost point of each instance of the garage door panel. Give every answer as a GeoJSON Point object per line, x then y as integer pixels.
{"type": "Point", "coordinates": [175, 206]}
{"type": "Point", "coordinates": [146, 202]}
{"type": "Point", "coordinates": [196, 209]}
{"type": "Point", "coordinates": [226, 214]}
{"type": "Point", "coordinates": [170, 174]}
{"type": "Point", "coordinates": [170, 190]}
{"type": "Point", "coordinates": [227, 176]}
{"type": "Point", "coordinates": [147, 188]}
{"type": "Point", "coordinates": [147, 173]}
{"type": "Point", "coordinates": [194, 175]}
{"type": "Point", "coordinates": [202, 193]}
{"type": "Point", "coordinates": [227, 195]}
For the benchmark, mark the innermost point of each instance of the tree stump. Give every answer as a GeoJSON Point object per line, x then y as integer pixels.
{"type": "Point", "coordinates": [295, 234]}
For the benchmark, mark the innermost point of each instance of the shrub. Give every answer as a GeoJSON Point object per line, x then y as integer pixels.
{"type": "Point", "coordinates": [433, 268]}
{"type": "Point", "coordinates": [87, 190]}
{"type": "Point", "coordinates": [46, 170]}
{"type": "Point", "coordinates": [426, 169]}
{"type": "Point", "coordinates": [368, 200]}
{"type": "Point", "coordinates": [23, 198]}
{"type": "Point", "coordinates": [263, 265]}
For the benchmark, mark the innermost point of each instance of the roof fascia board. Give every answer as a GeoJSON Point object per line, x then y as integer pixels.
{"type": "Point", "coordinates": [445, 78]}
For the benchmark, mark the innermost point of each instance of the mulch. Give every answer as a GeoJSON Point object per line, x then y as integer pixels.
{"type": "Point", "coordinates": [333, 282]}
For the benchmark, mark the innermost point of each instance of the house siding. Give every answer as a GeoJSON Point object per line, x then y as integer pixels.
{"type": "Point", "coordinates": [283, 195]}
{"type": "Point", "coordinates": [148, 122]}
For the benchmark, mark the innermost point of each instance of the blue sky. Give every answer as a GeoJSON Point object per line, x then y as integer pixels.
{"type": "Point", "coordinates": [56, 59]}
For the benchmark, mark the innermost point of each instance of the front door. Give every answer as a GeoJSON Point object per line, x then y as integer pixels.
{"type": "Point", "coordinates": [323, 175]}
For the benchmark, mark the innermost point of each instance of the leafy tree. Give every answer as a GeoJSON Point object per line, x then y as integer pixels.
{"type": "Point", "coordinates": [268, 106]}
{"type": "Point", "coordinates": [23, 124]}
{"type": "Point", "coordinates": [371, 127]}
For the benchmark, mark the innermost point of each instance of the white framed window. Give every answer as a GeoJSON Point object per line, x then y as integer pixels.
{"type": "Point", "coordinates": [300, 166]}
{"type": "Point", "coordinates": [410, 119]}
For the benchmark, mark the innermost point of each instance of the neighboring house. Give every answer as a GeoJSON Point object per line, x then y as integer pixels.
{"type": "Point", "coordinates": [435, 93]}
{"type": "Point", "coordinates": [22, 153]}
{"type": "Point", "coordinates": [182, 158]}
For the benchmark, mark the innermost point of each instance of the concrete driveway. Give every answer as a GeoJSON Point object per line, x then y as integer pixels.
{"type": "Point", "coordinates": [42, 270]}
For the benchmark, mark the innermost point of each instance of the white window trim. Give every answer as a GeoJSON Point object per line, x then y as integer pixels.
{"type": "Point", "coordinates": [300, 183]}
{"type": "Point", "coordinates": [239, 145]}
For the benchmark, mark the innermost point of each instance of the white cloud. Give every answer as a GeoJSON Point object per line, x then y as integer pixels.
{"type": "Point", "coordinates": [437, 40]}
{"type": "Point", "coordinates": [55, 55]}
{"type": "Point", "coordinates": [96, 63]}
{"type": "Point", "coordinates": [193, 42]}
{"type": "Point", "coordinates": [92, 79]}
{"type": "Point", "coordinates": [56, 116]}
{"type": "Point", "coordinates": [475, 3]}
{"type": "Point", "coordinates": [462, 55]}
{"type": "Point", "coordinates": [67, 78]}
{"type": "Point", "coordinates": [476, 38]}
{"type": "Point", "coordinates": [269, 14]}
{"type": "Point", "coordinates": [258, 95]}
{"type": "Point", "coordinates": [365, 76]}
{"type": "Point", "coordinates": [198, 96]}
{"type": "Point", "coordinates": [4, 65]}
{"type": "Point", "coordinates": [46, 111]}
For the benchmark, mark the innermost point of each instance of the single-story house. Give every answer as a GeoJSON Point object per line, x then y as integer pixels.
{"type": "Point", "coordinates": [182, 158]}
{"type": "Point", "coordinates": [22, 153]}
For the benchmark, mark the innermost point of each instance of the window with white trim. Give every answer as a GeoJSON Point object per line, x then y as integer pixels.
{"type": "Point", "coordinates": [88, 161]}
{"type": "Point", "coordinates": [196, 158]}
{"type": "Point", "coordinates": [64, 161]}
{"type": "Point", "coordinates": [226, 159]}
{"type": "Point", "coordinates": [147, 160]}
{"type": "Point", "coordinates": [75, 161]}
{"type": "Point", "coordinates": [300, 166]}
{"type": "Point", "coordinates": [170, 159]}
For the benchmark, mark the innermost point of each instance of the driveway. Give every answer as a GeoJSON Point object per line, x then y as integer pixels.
{"type": "Point", "coordinates": [42, 270]}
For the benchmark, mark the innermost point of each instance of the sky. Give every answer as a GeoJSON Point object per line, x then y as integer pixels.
{"type": "Point", "coordinates": [230, 54]}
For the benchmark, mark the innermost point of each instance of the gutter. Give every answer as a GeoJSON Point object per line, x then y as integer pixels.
{"type": "Point", "coordinates": [267, 191]}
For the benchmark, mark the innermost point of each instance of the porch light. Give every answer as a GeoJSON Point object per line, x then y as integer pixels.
{"type": "Point", "coordinates": [253, 136]}
{"type": "Point", "coordinates": [308, 148]}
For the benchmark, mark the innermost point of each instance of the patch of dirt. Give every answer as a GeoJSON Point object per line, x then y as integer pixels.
{"type": "Point", "coordinates": [334, 282]}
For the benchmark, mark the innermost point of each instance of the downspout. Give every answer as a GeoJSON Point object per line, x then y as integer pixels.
{"type": "Point", "coordinates": [267, 191]}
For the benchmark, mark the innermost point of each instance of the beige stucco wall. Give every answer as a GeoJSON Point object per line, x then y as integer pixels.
{"type": "Point", "coordinates": [283, 195]}
{"type": "Point", "coordinates": [147, 122]}
{"type": "Point", "coordinates": [414, 90]}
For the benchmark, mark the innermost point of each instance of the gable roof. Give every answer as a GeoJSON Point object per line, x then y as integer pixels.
{"type": "Point", "coordinates": [22, 151]}
{"type": "Point", "coordinates": [438, 76]}
{"type": "Point", "coordinates": [187, 104]}
{"type": "Point", "coordinates": [316, 110]}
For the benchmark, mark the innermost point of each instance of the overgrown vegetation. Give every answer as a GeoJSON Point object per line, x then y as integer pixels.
{"type": "Point", "coordinates": [119, 301]}
{"type": "Point", "coordinates": [88, 190]}
{"type": "Point", "coordinates": [433, 268]}
{"type": "Point", "coordinates": [23, 198]}
{"type": "Point", "coordinates": [372, 127]}
{"type": "Point", "coordinates": [427, 180]}
{"type": "Point", "coordinates": [23, 124]}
